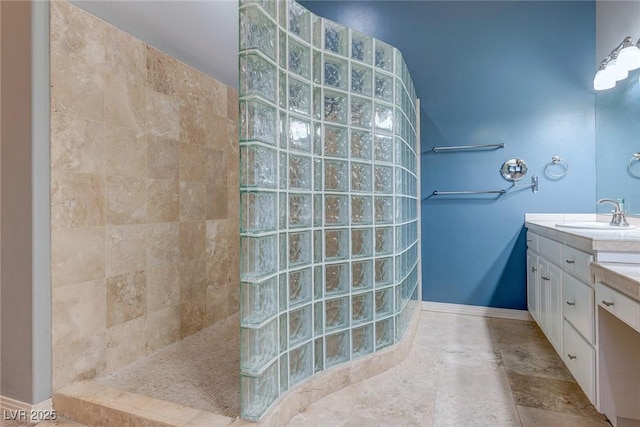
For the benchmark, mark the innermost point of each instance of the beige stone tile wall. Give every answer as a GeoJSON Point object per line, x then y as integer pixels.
{"type": "Point", "coordinates": [144, 197]}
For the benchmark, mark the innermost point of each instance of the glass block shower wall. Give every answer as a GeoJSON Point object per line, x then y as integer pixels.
{"type": "Point", "coordinates": [329, 198]}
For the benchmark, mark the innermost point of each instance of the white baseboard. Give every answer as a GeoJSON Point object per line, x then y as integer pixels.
{"type": "Point", "coordinates": [476, 310]}
{"type": "Point", "coordinates": [20, 411]}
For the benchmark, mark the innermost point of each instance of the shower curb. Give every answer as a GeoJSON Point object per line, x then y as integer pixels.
{"type": "Point", "coordinates": [94, 404]}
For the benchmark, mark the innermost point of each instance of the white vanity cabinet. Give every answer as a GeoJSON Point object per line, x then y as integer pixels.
{"type": "Point", "coordinates": [561, 287]}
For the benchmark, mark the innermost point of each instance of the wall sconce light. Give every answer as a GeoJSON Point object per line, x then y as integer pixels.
{"type": "Point", "coordinates": [616, 66]}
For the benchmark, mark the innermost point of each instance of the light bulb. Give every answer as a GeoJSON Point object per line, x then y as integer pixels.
{"type": "Point", "coordinates": [629, 58]}
{"type": "Point", "coordinates": [617, 72]}
{"type": "Point", "coordinates": [603, 80]}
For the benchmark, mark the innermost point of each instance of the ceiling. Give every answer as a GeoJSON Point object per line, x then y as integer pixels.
{"type": "Point", "coordinates": [203, 34]}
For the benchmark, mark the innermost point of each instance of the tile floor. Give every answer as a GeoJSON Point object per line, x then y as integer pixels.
{"type": "Point", "coordinates": [462, 371]}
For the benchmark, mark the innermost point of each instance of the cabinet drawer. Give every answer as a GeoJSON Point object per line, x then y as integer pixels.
{"type": "Point", "coordinates": [580, 358]}
{"type": "Point", "coordinates": [550, 249]}
{"type": "Point", "coordinates": [577, 263]}
{"type": "Point", "coordinates": [532, 241]}
{"type": "Point", "coordinates": [578, 306]}
{"type": "Point", "coordinates": [621, 306]}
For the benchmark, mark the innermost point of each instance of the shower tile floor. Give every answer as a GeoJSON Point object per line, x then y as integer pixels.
{"type": "Point", "coordinates": [462, 371]}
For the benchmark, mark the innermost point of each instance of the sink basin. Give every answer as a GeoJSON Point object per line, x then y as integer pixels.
{"type": "Point", "coordinates": [593, 225]}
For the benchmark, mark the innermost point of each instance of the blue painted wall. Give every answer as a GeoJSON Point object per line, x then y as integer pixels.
{"type": "Point", "coordinates": [515, 72]}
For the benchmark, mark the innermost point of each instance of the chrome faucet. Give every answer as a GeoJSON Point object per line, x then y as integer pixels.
{"type": "Point", "coordinates": [619, 218]}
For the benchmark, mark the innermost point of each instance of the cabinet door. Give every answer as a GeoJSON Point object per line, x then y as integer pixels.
{"type": "Point", "coordinates": [532, 284]}
{"type": "Point", "coordinates": [555, 306]}
{"type": "Point", "coordinates": [543, 295]}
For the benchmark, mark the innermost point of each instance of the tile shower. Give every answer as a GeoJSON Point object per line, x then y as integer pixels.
{"type": "Point", "coordinates": [144, 198]}
{"type": "Point", "coordinates": [146, 168]}
{"type": "Point", "coordinates": [329, 198]}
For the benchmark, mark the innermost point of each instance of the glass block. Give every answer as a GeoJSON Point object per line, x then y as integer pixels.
{"type": "Point", "coordinates": [300, 172]}
{"type": "Point", "coordinates": [283, 128]}
{"type": "Point", "coordinates": [282, 13]}
{"type": "Point", "coordinates": [257, 77]}
{"type": "Point", "coordinates": [383, 56]}
{"type": "Point", "coordinates": [317, 174]}
{"type": "Point", "coordinates": [316, 22]}
{"type": "Point", "coordinates": [383, 148]}
{"type": "Point", "coordinates": [258, 256]}
{"type": "Point", "coordinates": [361, 242]}
{"type": "Point", "coordinates": [361, 144]}
{"type": "Point", "coordinates": [258, 211]}
{"type": "Point", "coordinates": [336, 175]}
{"type": "Point", "coordinates": [336, 279]}
{"type": "Point", "coordinates": [335, 107]}
{"type": "Point", "coordinates": [259, 301]}
{"type": "Point", "coordinates": [299, 286]}
{"type": "Point", "coordinates": [257, 32]}
{"type": "Point", "coordinates": [299, 210]}
{"type": "Point", "coordinates": [361, 47]}
{"type": "Point", "coordinates": [361, 308]}
{"type": "Point", "coordinates": [383, 85]}
{"type": "Point", "coordinates": [317, 103]}
{"type": "Point", "coordinates": [361, 274]}
{"type": "Point", "coordinates": [284, 333]}
{"type": "Point", "coordinates": [336, 38]}
{"type": "Point", "coordinates": [299, 134]}
{"type": "Point", "coordinates": [383, 209]}
{"type": "Point", "coordinates": [336, 348]}
{"type": "Point", "coordinates": [383, 117]}
{"type": "Point", "coordinates": [317, 139]}
{"type": "Point", "coordinates": [259, 346]}
{"type": "Point", "coordinates": [384, 271]}
{"type": "Point", "coordinates": [383, 179]}
{"type": "Point", "coordinates": [361, 78]}
{"type": "Point", "coordinates": [384, 333]}
{"type": "Point", "coordinates": [335, 72]}
{"type": "Point", "coordinates": [317, 246]}
{"type": "Point", "coordinates": [300, 363]}
{"type": "Point", "coordinates": [299, 21]}
{"type": "Point", "coordinates": [299, 96]}
{"type": "Point", "coordinates": [300, 322]}
{"type": "Point", "coordinates": [259, 392]}
{"type": "Point", "coordinates": [318, 355]}
{"type": "Point", "coordinates": [258, 121]}
{"type": "Point", "coordinates": [267, 5]}
{"type": "Point", "coordinates": [335, 141]}
{"type": "Point", "coordinates": [282, 44]}
{"type": "Point", "coordinates": [336, 210]}
{"type": "Point", "coordinates": [317, 67]}
{"type": "Point", "coordinates": [318, 319]}
{"type": "Point", "coordinates": [282, 250]}
{"type": "Point", "coordinates": [360, 112]}
{"type": "Point", "coordinates": [318, 281]}
{"type": "Point", "coordinates": [384, 302]}
{"type": "Point", "coordinates": [336, 313]}
{"type": "Point", "coordinates": [282, 90]}
{"type": "Point", "coordinates": [360, 177]}
{"type": "Point", "coordinates": [299, 59]}
{"type": "Point", "coordinates": [282, 293]}
{"type": "Point", "coordinates": [361, 210]}
{"type": "Point", "coordinates": [299, 248]}
{"type": "Point", "coordinates": [362, 340]}
{"type": "Point", "coordinates": [284, 373]}
{"type": "Point", "coordinates": [282, 210]}
{"type": "Point", "coordinates": [336, 244]}
{"type": "Point", "coordinates": [384, 240]}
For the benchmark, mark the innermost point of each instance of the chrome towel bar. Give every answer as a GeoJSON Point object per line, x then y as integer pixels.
{"type": "Point", "coordinates": [467, 147]}
{"type": "Point", "coordinates": [448, 193]}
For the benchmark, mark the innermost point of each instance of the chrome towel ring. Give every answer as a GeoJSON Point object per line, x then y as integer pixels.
{"type": "Point", "coordinates": [563, 165]}
{"type": "Point", "coordinates": [634, 171]}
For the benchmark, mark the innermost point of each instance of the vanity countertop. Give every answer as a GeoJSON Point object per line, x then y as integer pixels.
{"type": "Point", "coordinates": [586, 239]}
{"type": "Point", "coordinates": [625, 278]}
